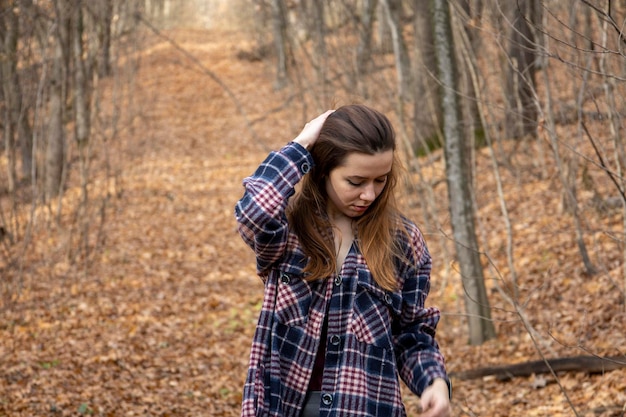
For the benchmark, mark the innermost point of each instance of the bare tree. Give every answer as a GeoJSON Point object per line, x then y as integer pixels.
{"type": "Point", "coordinates": [426, 115]}
{"type": "Point", "coordinates": [279, 28]}
{"type": "Point", "coordinates": [394, 14]}
{"type": "Point", "coordinates": [319, 31]}
{"type": "Point", "coordinates": [462, 210]}
{"type": "Point", "coordinates": [51, 52]}
{"type": "Point", "coordinates": [364, 47]}
{"type": "Point", "coordinates": [469, 16]}
{"type": "Point", "coordinates": [56, 138]}
{"type": "Point", "coordinates": [103, 19]}
{"type": "Point", "coordinates": [520, 76]}
{"type": "Point", "coordinates": [8, 73]}
{"type": "Point", "coordinates": [17, 128]}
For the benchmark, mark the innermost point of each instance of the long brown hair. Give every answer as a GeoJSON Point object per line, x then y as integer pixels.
{"type": "Point", "coordinates": [349, 129]}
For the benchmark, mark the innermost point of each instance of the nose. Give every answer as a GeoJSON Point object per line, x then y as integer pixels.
{"type": "Point", "coordinates": [368, 194]}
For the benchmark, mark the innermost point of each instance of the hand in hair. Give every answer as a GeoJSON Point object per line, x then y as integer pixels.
{"type": "Point", "coordinates": [311, 130]}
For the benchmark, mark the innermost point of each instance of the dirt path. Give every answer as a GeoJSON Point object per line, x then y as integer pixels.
{"type": "Point", "coordinates": [194, 281]}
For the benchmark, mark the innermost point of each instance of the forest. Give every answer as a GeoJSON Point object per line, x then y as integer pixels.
{"type": "Point", "coordinates": [128, 127]}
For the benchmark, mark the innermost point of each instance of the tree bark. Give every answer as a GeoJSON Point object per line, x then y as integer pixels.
{"type": "Point", "coordinates": [393, 10]}
{"type": "Point", "coordinates": [17, 128]}
{"type": "Point", "coordinates": [384, 43]}
{"type": "Point", "coordinates": [104, 20]}
{"type": "Point", "coordinates": [55, 146]}
{"type": "Point", "coordinates": [25, 126]}
{"type": "Point", "coordinates": [520, 75]}
{"type": "Point", "coordinates": [81, 83]}
{"type": "Point", "coordinates": [426, 115]}
{"type": "Point", "coordinates": [320, 46]}
{"type": "Point", "coordinates": [481, 327]}
{"type": "Point", "coordinates": [279, 26]}
{"type": "Point", "coordinates": [8, 72]}
{"type": "Point", "coordinates": [471, 17]}
{"type": "Point", "coordinates": [364, 47]}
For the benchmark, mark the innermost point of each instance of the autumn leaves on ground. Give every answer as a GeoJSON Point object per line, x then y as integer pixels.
{"type": "Point", "coordinates": [161, 324]}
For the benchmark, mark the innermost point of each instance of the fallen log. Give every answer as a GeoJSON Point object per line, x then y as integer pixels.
{"type": "Point", "coordinates": [588, 364]}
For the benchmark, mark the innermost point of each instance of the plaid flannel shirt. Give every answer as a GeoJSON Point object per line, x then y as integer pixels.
{"type": "Point", "coordinates": [373, 334]}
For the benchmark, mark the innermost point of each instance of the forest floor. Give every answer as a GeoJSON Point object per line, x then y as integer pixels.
{"type": "Point", "coordinates": [162, 323]}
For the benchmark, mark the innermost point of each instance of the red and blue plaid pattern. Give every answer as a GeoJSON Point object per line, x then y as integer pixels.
{"type": "Point", "coordinates": [373, 335]}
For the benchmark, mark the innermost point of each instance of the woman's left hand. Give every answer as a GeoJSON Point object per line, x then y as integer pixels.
{"type": "Point", "coordinates": [311, 131]}
{"type": "Point", "coordinates": [435, 400]}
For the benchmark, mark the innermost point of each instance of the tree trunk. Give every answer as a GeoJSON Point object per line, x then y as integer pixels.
{"type": "Point", "coordinates": [320, 46]}
{"type": "Point", "coordinates": [364, 47]}
{"type": "Point", "coordinates": [481, 327]}
{"type": "Point", "coordinates": [426, 115]}
{"type": "Point", "coordinates": [104, 19]}
{"type": "Point", "coordinates": [8, 72]}
{"type": "Point", "coordinates": [393, 10]}
{"type": "Point", "coordinates": [55, 146]}
{"type": "Point", "coordinates": [520, 76]}
{"type": "Point", "coordinates": [82, 113]}
{"type": "Point", "coordinates": [81, 87]}
{"type": "Point", "coordinates": [471, 17]}
{"type": "Point", "coordinates": [617, 138]}
{"type": "Point", "coordinates": [279, 27]}
{"type": "Point", "coordinates": [17, 129]}
{"type": "Point", "coordinates": [384, 43]}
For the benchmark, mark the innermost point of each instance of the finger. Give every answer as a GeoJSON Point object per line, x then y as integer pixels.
{"type": "Point", "coordinates": [437, 410]}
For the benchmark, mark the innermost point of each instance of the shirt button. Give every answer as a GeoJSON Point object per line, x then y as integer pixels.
{"type": "Point", "coordinates": [334, 340]}
{"type": "Point", "coordinates": [285, 279]}
{"type": "Point", "coordinates": [305, 167]}
{"type": "Point", "coordinates": [338, 280]}
{"type": "Point", "coordinates": [388, 299]}
{"type": "Point", "coordinates": [327, 399]}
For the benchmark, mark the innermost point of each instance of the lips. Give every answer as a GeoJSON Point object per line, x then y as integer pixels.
{"type": "Point", "coordinates": [360, 209]}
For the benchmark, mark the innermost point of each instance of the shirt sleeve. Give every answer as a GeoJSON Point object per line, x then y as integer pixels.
{"type": "Point", "coordinates": [260, 213]}
{"type": "Point", "coordinates": [419, 359]}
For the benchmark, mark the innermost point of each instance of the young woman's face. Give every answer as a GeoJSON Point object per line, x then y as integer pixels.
{"type": "Point", "coordinates": [353, 186]}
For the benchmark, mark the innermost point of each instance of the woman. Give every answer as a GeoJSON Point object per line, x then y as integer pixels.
{"type": "Point", "coordinates": [346, 277]}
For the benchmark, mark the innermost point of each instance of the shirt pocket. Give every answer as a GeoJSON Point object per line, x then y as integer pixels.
{"type": "Point", "coordinates": [374, 312]}
{"type": "Point", "coordinates": [294, 296]}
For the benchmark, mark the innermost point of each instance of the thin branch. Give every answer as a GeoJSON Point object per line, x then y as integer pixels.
{"type": "Point", "coordinates": [607, 16]}
{"type": "Point", "coordinates": [605, 168]}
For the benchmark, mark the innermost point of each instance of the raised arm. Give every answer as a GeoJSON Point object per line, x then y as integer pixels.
{"type": "Point", "coordinates": [260, 213]}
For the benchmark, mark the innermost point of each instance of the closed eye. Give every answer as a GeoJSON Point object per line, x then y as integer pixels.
{"type": "Point", "coordinates": [379, 180]}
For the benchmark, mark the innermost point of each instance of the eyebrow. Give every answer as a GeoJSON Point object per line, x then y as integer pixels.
{"type": "Point", "coordinates": [358, 177]}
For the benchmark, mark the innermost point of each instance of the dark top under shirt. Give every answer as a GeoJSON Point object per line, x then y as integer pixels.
{"type": "Point", "coordinates": [318, 368]}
